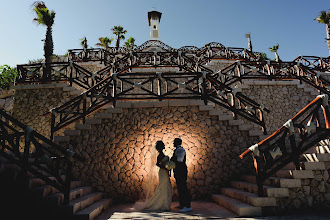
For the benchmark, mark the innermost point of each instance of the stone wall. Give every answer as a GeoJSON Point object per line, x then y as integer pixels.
{"type": "Point", "coordinates": [314, 193]}
{"type": "Point", "coordinates": [32, 101]}
{"type": "Point", "coordinates": [118, 151]}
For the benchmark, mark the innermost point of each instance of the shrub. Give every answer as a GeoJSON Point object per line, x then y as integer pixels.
{"type": "Point", "coordinates": [7, 76]}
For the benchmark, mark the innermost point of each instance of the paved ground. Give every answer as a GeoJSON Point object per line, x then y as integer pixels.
{"type": "Point", "coordinates": [201, 210]}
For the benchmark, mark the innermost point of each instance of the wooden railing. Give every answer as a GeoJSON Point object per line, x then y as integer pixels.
{"type": "Point", "coordinates": [307, 128]}
{"type": "Point", "coordinates": [156, 86]}
{"type": "Point", "coordinates": [315, 63]}
{"type": "Point", "coordinates": [271, 70]}
{"type": "Point", "coordinates": [36, 154]}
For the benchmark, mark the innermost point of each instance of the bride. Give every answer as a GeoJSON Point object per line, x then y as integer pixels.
{"type": "Point", "coordinates": [162, 198]}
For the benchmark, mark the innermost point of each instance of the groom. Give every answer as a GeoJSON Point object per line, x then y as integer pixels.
{"type": "Point", "coordinates": [180, 175]}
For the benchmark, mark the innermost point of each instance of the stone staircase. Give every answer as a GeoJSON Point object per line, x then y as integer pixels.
{"type": "Point", "coordinates": [84, 203]}
{"type": "Point", "coordinates": [241, 196]}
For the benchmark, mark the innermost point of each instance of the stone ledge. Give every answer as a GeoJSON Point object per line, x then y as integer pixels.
{"type": "Point", "coordinates": [40, 86]}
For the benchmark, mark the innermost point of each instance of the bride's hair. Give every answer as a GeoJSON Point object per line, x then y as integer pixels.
{"type": "Point", "coordinates": [160, 145]}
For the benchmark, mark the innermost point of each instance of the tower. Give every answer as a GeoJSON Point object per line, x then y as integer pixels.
{"type": "Point", "coordinates": [154, 20]}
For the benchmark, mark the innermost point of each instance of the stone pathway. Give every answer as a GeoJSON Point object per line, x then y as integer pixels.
{"type": "Point", "coordinates": [201, 210]}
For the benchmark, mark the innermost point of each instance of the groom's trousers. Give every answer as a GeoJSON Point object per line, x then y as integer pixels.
{"type": "Point", "coordinates": [184, 195]}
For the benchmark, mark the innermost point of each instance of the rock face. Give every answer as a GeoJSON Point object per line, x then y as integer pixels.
{"type": "Point", "coordinates": [120, 151]}
{"type": "Point", "coordinates": [30, 105]}
{"type": "Point", "coordinates": [314, 193]}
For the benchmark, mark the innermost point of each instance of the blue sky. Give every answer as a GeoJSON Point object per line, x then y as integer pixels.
{"type": "Point", "coordinates": [184, 23]}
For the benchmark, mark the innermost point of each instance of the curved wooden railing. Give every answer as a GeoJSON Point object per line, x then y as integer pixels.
{"type": "Point", "coordinates": [156, 86]}
{"type": "Point", "coordinates": [307, 128]}
{"type": "Point", "coordinates": [36, 154]}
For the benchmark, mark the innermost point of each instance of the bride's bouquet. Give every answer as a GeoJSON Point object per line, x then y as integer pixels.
{"type": "Point", "coordinates": [170, 165]}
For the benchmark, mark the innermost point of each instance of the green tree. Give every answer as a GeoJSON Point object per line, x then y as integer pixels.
{"type": "Point", "coordinates": [7, 76]}
{"type": "Point", "coordinates": [274, 50]}
{"type": "Point", "coordinates": [46, 18]}
{"type": "Point", "coordinates": [104, 42]}
{"type": "Point", "coordinates": [130, 43]}
{"type": "Point", "coordinates": [248, 36]}
{"type": "Point", "coordinates": [120, 33]}
{"type": "Point", "coordinates": [324, 18]}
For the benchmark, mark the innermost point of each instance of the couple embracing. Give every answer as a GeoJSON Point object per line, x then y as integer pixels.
{"type": "Point", "coordinates": [162, 197]}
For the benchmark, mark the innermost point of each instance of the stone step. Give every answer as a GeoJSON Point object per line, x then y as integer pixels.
{"type": "Point", "coordinates": [302, 174]}
{"type": "Point", "coordinates": [225, 117]}
{"type": "Point", "coordinates": [283, 174]}
{"type": "Point", "coordinates": [35, 181]}
{"type": "Point", "coordinates": [103, 115]}
{"type": "Point", "coordinates": [72, 132]}
{"type": "Point", "coordinates": [216, 112]}
{"type": "Point", "coordinates": [107, 106]}
{"type": "Point", "coordinates": [315, 166]}
{"type": "Point", "coordinates": [244, 127]}
{"type": "Point", "coordinates": [95, 121]}
{"type": "Point", "coordinates": [255, 132]}
{"type": "Point", "coordinates": [238, 207]}
{"type": "Point", "coordinates": [83, 202]}
{"type": "Point", "coordinates": [47, 190]}
{"type": "Point", "coordinates": [248, 197]}
{"type": "Point", "coordinates": [253, 188]}
{"type": "Point", "coordinates": [61, 138]}
{"type": "Point", "coordinates": [69, 88]}
{"type": "Point", "coordinates": [58, 198]}
{"type": "Point", "coordinates": [207, 108]}
{"type": "Point", "coordinates": [75, 92]}
{"type": "Point", "coordinates": [94, 210]}
{"type": "Point", "coordinates": [317, 157]}
{"type": "Point", "coordinates": [83, 126]}
{"type": "Point", "coordinates": [115, 110]}
{"type": "Point", "coordinates": [236, 122]}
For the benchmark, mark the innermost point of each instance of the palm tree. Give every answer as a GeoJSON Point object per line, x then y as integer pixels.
{"type": "Point", "coordinates": [46, 18]}
{"type": "Point", "coordinates": [104, 42]}
{"type": "Point", "coordinates": [274, 50]}
{"type": "Point", "coordinates": [248, 35]}
{"type": "Point", "coordinates": [83, 43]}
{"type": "Point", "coordinates": [129, 44]}
{"type": "Point", "coordinates": [119, 32]}
{"type": "Point", "coordinates": [324, 18]}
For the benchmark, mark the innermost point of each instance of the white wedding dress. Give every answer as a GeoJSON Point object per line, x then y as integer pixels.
{"type": "Point", "coordinates": [162, 198]}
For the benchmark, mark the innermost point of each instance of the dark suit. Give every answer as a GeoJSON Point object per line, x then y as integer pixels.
{"type": "Point", "coordinates": [180, 175]}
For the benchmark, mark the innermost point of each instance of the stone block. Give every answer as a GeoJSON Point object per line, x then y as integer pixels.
{"type": "Point", "coordinates": [142, 104]}
{"type": "Point", "coordinates": [123, 104]}
{"type": "Point", "coordinates": [225, 117]}
{"type": "Point", "coordinates": [215, 112]}
{"type": "Point", "coordinates": [72, 132]}
{"type": "Point", "coordinates": [236, 122]}
{"type": "Point", "coordinates": [61, 138]}
{"type": "Point", "coordinates": [290, 183]}
{"type": "Point", "coordinates": [181, 102]}
{"type": "Point", "coordinates": [93, 121]}
{"type": "Point", "coordinates": [115, 110]}
{"type": "Point", "coordinates": [83, 126]}
{"type": "Point", "coordinates": [277, 192]}
{"type": "Point", "coordinates": [302, 174]}
{"type": "Point", "coordinates": [244, 127]}
{"type": "Point", "coordinates": [69, 88]}
{"type": "Point", "coordinates": [104, 115]}
{"type": "Point", "coordinates": [314, 165]}
{"type": "Point", "coordinates": [206, 108]}
{"type": "Point", "coordinates": [255, 132]}
{"type": "Point", "coordinates": [238, 207]}
{"type": "Point", "coordinates": [194, 102]}
{"type": "Point", "coordinates": [163, 103]}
